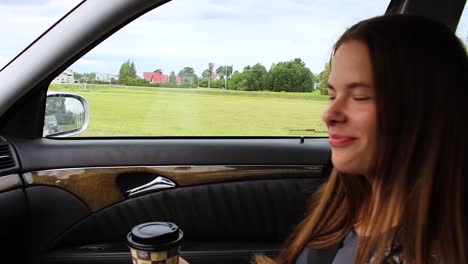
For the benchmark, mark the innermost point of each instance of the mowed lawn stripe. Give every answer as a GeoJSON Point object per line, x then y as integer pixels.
{"type": "Point", "coordinates": [165, 112]}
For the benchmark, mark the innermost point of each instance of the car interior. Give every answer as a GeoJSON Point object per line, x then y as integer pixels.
{"type": "Point", "coordinates": [74, 200]}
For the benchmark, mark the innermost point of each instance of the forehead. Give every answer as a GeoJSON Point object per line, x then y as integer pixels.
{"type": "Point", "coordinates": [351, 63]}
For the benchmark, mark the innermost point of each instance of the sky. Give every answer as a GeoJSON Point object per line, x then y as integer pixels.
{"type": "Point", "coordinates": [193, 33]}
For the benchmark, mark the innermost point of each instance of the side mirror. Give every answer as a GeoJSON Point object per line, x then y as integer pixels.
{"type": "Point", "coordinates": [66, 114]}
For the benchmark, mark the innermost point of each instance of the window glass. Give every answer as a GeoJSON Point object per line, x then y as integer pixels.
{"type": "Point", "coordinates": [215, 68]}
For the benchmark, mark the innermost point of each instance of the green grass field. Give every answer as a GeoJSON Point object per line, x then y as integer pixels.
{"type": "Point", "coordinates": [137, 111]}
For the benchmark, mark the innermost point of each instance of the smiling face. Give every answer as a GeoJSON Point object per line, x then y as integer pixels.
{"type": "Point", "coordinates": [351, 114]}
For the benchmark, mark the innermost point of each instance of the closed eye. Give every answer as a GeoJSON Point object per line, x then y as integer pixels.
{"type": "Point", "coordinates": [361, 98]}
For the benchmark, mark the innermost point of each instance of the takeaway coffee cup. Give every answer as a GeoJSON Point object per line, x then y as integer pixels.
{"type": "Point", "coordinates": [155, 243]}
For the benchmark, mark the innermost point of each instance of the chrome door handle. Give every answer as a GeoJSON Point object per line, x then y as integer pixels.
{"type": "Point", "coordinates": [156, 184]}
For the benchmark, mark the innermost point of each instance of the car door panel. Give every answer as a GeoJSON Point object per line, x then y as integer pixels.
{"type": "Point", "coordinates": [263, 206]}
{"type": "Point", "coordinates": [16, 229]}
{"type": "Point", "coordinates": [259, 212]}
{"type": "Point", "coordinates": [233, 197]}
{"type": "Point", "coordinates": [44, 153]}
{"type": "Point", "coordinates": [100, 187]}
{"type": "Point", "coordinates": [52, 210]}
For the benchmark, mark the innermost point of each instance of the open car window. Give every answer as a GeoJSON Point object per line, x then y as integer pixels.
{"type": "Point", "coordinates": [207, 68]}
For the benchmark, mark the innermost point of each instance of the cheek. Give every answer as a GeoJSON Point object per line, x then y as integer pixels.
{"type": "Point", "coordinates": [367, 126]}
{"type": "Point", "coordinates": [371, 125]}
{"type": "Point", "coordinates": [366, 121]}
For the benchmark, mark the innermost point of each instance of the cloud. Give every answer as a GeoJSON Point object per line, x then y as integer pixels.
{"type": "Point", "coordinates": [22, 2]}
{"type": "Point", "coordinates": [192, 33]}
{"type": "Point", "coordinates": [4, 60]}
{"type": "Point", "coordinates": [23, 21]}
{"type": "Point", "coordinates": [233, 32]}
{"type": "Point", "coordinates": [97, 65]}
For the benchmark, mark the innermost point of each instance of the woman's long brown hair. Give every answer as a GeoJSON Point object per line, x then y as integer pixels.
{"type": "Point", "coordinates": [419, 177]}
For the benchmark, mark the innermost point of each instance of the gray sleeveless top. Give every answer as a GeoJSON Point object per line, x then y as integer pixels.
{"type": "Point", "coordinates": [345, 254]}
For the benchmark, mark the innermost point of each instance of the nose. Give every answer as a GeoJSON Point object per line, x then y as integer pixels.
{"type": "Point", "coordinates": [334, 113]}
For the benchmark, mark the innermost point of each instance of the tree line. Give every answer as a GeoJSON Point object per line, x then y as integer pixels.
{"type": "Point", "coordinates": [288, 76]}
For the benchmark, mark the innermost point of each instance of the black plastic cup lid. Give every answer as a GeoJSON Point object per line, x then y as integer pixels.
{"type": "Point", "coordinates": [155, 236]}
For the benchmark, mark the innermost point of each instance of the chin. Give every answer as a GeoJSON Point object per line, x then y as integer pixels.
{"type": "Point", "coordinates": [350, 172]}
{"type": "Point", "coordinates": [347, 168]}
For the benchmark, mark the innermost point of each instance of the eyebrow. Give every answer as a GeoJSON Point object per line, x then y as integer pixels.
{"type": "Point", "coordinates": [351, 85]}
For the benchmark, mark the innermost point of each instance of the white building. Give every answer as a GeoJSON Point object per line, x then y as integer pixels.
{"type": "Point", "coordinates": [106, 77]}
{"type": "Point", "coordinates": [65, 77]}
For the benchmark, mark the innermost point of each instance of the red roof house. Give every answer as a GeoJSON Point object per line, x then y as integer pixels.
{"type": "Point", "coordinates": [159, 77]}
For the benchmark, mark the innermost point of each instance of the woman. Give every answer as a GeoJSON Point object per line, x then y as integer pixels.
{"type": "Point", "coordinates": [398, 137]}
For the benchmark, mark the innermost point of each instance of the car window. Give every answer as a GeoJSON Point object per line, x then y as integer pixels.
{"type": "Point", "coordinates": [215, 68]}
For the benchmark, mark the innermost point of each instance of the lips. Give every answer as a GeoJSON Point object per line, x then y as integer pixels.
{"type": "Point", "coordinates": [341, 141]}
